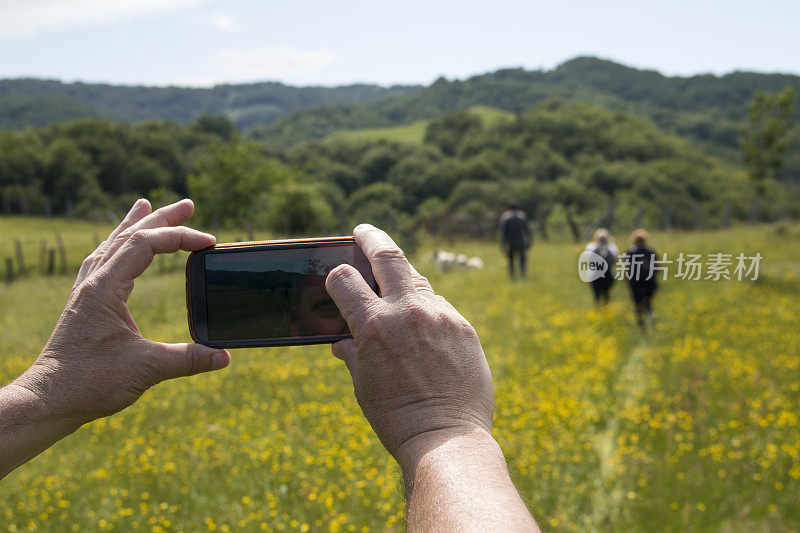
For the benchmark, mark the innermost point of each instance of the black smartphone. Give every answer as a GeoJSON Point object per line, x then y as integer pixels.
{"type": "Point", "coordinates": [269, 293]}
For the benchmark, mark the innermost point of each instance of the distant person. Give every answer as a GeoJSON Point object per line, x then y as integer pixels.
{"type": "Point", "coordinates": [418, 369]}
{"type": "Point", "coordinates": [639, 261]}
{"type": "Point", "coordinates": [603, 245]}
{"type": "Point", "coordinates": [515, 237]}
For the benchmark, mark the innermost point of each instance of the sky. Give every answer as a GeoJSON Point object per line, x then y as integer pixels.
{"type": "Point", "coordinates": [304, 42]}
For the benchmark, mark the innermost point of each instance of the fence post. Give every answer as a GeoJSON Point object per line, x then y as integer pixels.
{"type": "Point", "coordinates": [668, 219]}
{"type": "Point", "coordinates": [68, 208]}
{"type": "Point", "coordinates": [51, 262]}
{"type": "Point", "coordinates": [541, 222]}
{"type": "Point", "coordinates": [637, 218]}
{"type": "Point", "coordinates": [42, 255]}
{"type": "Point", "coordinates": [62, 253]}
{"type": "Point", "coordinates": [728, 215]}
{"type": "Point", "coordinates": [754, 213]}
{"type": "Point", "coordinates": [9, 270]}
{"type": "Point", "coordinates": [20, 256]}
{"type": "Point", "coordinates": [48, 208]}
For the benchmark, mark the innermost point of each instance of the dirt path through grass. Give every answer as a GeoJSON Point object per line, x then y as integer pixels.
{"type": "Point", "coordinates": [606, 500]}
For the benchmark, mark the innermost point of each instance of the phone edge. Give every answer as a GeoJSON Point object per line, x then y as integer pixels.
{"type": "Point", "coordinates": [261, 343]}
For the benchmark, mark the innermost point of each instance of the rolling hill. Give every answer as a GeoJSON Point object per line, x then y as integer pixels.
{"type": "Point", "coordinates": [709, 110]}
{"type": "Point", "coordinates": [37, 103]}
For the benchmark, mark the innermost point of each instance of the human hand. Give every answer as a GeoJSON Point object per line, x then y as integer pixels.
{"type": "Point", "coordinates": [96, 361]}
{"type": "Point", "coordinates": [418, 369]}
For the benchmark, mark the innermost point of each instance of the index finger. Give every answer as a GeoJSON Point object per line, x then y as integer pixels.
{"type": "Point", "coordinates": [389, 264]}
{"type": "Point", "coordinates": [138, 252]}
{"type": "Point", "coordinates": [169, 215]}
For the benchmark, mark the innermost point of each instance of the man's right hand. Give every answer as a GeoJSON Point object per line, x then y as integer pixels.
{"type": "Point", "coordinates": [417, 365]}
{"type": "Point", "coordinates": [422, 381]}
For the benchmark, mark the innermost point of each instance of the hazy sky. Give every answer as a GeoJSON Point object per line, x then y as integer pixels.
{"type": "Point", "coordinates": [202, 42]}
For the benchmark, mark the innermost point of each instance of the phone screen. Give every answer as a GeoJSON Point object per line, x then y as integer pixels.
{"type": "Point", "coordinates": [273, 293]}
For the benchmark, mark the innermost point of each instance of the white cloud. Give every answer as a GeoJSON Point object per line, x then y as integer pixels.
{"type": "Point", "coordinates": [269, 63]}
{"type": "Point", "coordinates": [21, 18]}
{"type": "Point", "coordinates": [224, 21]}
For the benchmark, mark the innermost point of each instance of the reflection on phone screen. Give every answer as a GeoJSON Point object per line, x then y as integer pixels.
{"type": "Point", "coordinates": [265, 294]}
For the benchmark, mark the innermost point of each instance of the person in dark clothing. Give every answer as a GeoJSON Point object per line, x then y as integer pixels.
{"type": "Point", "coordinates": [603, 245]}
{"type": "Point", "coordinates": [515, 237]}
{"type": "Point", "coordinates": [639, 261]}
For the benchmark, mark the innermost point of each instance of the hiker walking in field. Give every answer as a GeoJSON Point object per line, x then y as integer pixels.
{"type": "Point", "coordinates": [515, 237]}
{"type": "Point", "coordinates": [603, 245]}
{"type": "Point", "coordinates": [638, 263]}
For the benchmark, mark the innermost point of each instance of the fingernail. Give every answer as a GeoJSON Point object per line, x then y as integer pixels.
{"type": "Point", "coordinates": [219, 360]}
{"type": "Point", "coordinates": [136, 205]}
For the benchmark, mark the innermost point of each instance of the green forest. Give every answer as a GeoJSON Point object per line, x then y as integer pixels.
{"type": "Point", "coordinates": [588, 143]}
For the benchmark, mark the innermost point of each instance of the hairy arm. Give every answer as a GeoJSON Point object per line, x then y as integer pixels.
{"type": "Point", "coordinates": [458, 481]}
{"type": "Point", "coordinates": [27, 427]}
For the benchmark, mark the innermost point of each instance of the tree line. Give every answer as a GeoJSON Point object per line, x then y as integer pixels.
{"type": "Point", "coordinates": [567, 163]}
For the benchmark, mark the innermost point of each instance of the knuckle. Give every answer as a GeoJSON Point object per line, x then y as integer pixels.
{"type": "Point", "coordinates": [374, 323]}
{"type": "Point", "coordinates": [421, 280]}
{"type": "Point", "coordinates": [89, 260]}
{"type": "Point", "coordinates": [138, 237]}
{"type": "Point", "coordinates": [192, 363]}
{"type": "Point", "coordinates": [124, 235]}
{"type": "Point", "coordinates": [388, 252]}
{"type": "Point", "coordinates": [415, 314]}
{"type": "Point", "coordinates": [442, 318]}
{"type": "Point", "coordinates": [89, 287]}
{"type": "Point", "coordinates": [152, 369]}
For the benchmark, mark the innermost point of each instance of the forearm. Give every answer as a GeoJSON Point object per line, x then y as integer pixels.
{"type": "Point", "coordinates": [27, 427]}
{"type": "Point", "coordinates": [460, 482]}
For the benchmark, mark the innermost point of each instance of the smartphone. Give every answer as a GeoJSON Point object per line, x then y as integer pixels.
{"type": "Point", "coordinates": [269, 293]}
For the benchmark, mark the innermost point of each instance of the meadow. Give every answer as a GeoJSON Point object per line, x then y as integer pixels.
{"type": "Point", "coordinates": [692, 426]}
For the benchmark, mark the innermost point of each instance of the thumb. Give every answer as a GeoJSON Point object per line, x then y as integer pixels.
{"type": "Point", "coordinates": [177, 360]}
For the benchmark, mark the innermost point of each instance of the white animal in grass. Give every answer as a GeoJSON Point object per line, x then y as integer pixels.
{"type": "Point", "coordinates": [446, 261]}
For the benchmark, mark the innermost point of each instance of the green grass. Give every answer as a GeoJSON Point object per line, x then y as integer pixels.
{"type": "Point", "coordinates": [690, 427]}
{"type": "Point", "coordinates": [415, 132]}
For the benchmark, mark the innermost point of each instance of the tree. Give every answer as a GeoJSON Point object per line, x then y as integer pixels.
{"type": "Point", "coordinates": [300, 209]}
{"type": "Point", "coordinates": [764, 138]}
{"type": "Point", "coordinates": [220, 126]}
{"type": "Point", "coordinates": [234, 184]}
{"type": "Point", "coordinates": [70, 177]}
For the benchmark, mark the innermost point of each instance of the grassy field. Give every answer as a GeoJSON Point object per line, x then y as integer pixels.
{"type": "Point", "coordinates": [415, 132]}
{"type": "Point", "coordinates": [692, 426]}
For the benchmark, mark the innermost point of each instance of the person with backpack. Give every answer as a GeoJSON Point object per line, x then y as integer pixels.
{"type": "Point", "coordinates": [603, 245]}
{"type": "Point", "coordinates": [515, 237]}
{"type": "Point", "coordinates": [638, 265]}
